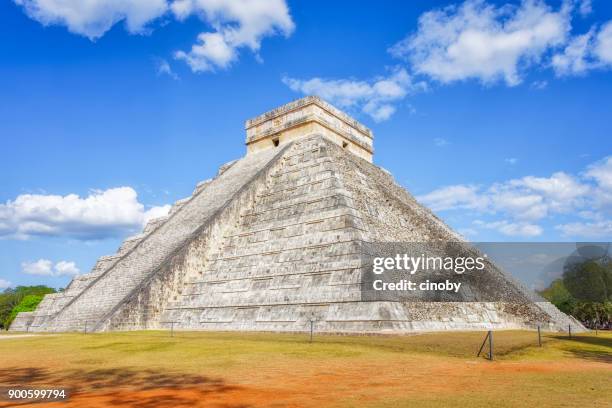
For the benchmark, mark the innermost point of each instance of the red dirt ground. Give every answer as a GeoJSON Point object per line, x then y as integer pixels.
{"type": "Point", "coordinates": [316, 385]}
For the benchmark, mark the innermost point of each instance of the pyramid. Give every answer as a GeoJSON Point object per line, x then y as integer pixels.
{"type": "Point", "coordinates": [277, 240]}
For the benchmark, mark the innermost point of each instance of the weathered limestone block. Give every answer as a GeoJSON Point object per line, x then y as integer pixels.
{"type": "Point", "coordinates": [178, 205]}
{"type": "Point", "coordinates": [201, 186]}
{"type": "Point", "coordinates": [154, 223]}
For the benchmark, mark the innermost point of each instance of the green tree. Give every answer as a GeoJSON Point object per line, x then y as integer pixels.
{"type": "Point", "coordinates": [558, 295]}
{"type": "Point", "coordinates": [27, 304]}
{"type": "Point", "coordinates": [10, 298]}
{"type": "Point", "coordinates": [593, 312]}
{"type": "Point", "coordinates": [589, 281]}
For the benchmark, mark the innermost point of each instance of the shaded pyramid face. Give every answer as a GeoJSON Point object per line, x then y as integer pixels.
{"type": "Point", "coordinates": [280, 238]}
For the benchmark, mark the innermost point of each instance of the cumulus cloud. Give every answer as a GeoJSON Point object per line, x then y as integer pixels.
{"type": "Point", "coordinates": [42, 267]}
{"type": "Point", "coordinates": [601, 173]}
{"type": "Point", "coordinates": [5, 284]}
{"type": "Point", "coordinates": [512, 229]}
{"type": "Point", "coordinates": [573, 59]}
{"type": "Point", "coordinates": [237, 23]}
{"type": "Point", "coordinates": [531, 199]}
{"type": "Point", "coordinates": [484, 41]}
{"type": "Point", "coordinates": [466, 197]}
{"type": "Point", "coordinates": [594, 230]}
{"type": "Point", "coordinates": [102, 214]}
{"type": "Point", "coordinates": [45, 267]}
{"type": "Point", "coordinates": [603, 44]}
{"type": "Point", "coordinates": [585, 52]}
{"type": "Point", "coordinates": [477, 40]}
{"type": "Point", "coordinates": [66, 268]}
{"type": "Point", "coordinates": [376, 98]}
{"type": "Point", "coordinates": [155, 212]}
{"type": "Point", "coordinates": [527, 198]}
{"type": "Point", "coordinates": [93, 18]}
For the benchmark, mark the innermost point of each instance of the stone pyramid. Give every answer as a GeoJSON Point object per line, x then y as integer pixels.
{"type": "Point", "coordinates": [274, 241]}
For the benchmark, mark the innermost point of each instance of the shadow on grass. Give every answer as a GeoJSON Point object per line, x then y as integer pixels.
{"type": "Point", "coordinates": [578, 346]}
{"type": "Point", "coordinates": [123, 387]}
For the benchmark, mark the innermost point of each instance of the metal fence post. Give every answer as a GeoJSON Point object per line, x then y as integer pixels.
{"type": "Point", "coordinates": [171, 329]}
{"type": "Point", "coordinates": [539, 336]}
{"type": "Point", "coordinates": [489, 337]}
{"type": "Point", "coordinates": [569, 330]}
{"type": "Point", "coordinates": [311, 328]}
{"type": "Point", "coordinates": [491, 345]}
{"type": "Point", "coordinates": [85, 330]}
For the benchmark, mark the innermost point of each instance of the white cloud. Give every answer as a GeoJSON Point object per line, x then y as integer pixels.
{"type": "Point", "coordinates": [375, 98]}
{"type": "Point", "coordinates": [93, 18]}
{"type": "Point", "coordinates": [511, 160]}
{"type": "Point", "coordinates": [575, 58]}
{"type": "Point", "coordinates": [585, 7]}
{"type": "Point", "coordinates": [598, 229]}
{"type": "Point", "coordinates": [603, 44]}
{"type": "Point", "coordinates": [601, 172]}
{"type": "Point", "coordinates": [585, 52]}
{"type": "Point", "coordinates": [561, 191]}
{"type": "Point", "coordinates": [64, 268]}
{"type": "Point", "coordinates": [480, 41]}
{"type": "Point", "coordinates": [5, 284]}
{"type": "Point", "coordinates": [163, 68]}
{"type": "Point", "coordinates": [521, 202]}
{"type": "Point", "coordinates": [528, 198]}
{"type": "Point", "coordinates": [155, 212]}
{"type": "Point", "coordinates": [45, 267]}
{"type": "Point", "coordinates": [112, 212]}
{"type": "Point", "coordinates": [455, 197]}
{"type": "Point", "coordinates": [237, 23]}
{"type": "Point", "coordinates": [513, 229]}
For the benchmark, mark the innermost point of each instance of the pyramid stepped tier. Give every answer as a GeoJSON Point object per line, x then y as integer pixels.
{"type": "Point", "coordinates": [291, 251]}
{"type": "Point", "coordinates": [164, 237]}
{"type": "Point", "coordinates": [52, 304]}
{"type": "Point", "coordinates": [276, 240]}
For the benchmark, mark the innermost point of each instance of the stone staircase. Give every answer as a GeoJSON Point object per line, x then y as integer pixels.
{"type": "Point", "coordinates": [291, 254]}
{"type": "Point", "coordinates": [559, 321]}
{"type": "Point", "coordinates": [95, 297]}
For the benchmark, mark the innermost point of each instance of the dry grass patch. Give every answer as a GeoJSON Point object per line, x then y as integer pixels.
{"type": "Point", "coordinates": [152, 369]}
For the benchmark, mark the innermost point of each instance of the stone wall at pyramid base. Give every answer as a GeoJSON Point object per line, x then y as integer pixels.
{"type": "Point", "coordinates": [22, 322]}
{"type": "Point", "coordinates": [359, 317]}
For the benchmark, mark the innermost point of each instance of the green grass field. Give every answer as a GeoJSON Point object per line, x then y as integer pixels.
{"type": "Point", "coordinates": [152, 369]}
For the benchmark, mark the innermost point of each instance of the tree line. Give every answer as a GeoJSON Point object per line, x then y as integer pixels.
{"type": "Point", "coordinates": [585, 292]}
{"type": "Point", "coordinates": [20, 299]}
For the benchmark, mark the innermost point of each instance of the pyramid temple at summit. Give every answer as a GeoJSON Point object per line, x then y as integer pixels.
{"type": "Point", "coordinates": [276, 240]}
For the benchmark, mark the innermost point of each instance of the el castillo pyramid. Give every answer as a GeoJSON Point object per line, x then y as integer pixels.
{"type": "Point", "coordinates": [276, 240]}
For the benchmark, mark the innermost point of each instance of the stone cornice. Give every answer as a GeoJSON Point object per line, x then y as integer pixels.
{"type": "Point", "coordinates": [330, 112]}
{"type": "Point", "coordinates": [301, 103]}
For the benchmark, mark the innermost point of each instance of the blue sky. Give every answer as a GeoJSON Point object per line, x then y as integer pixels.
{"type": "Point", "coordinates": [494, 114]}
